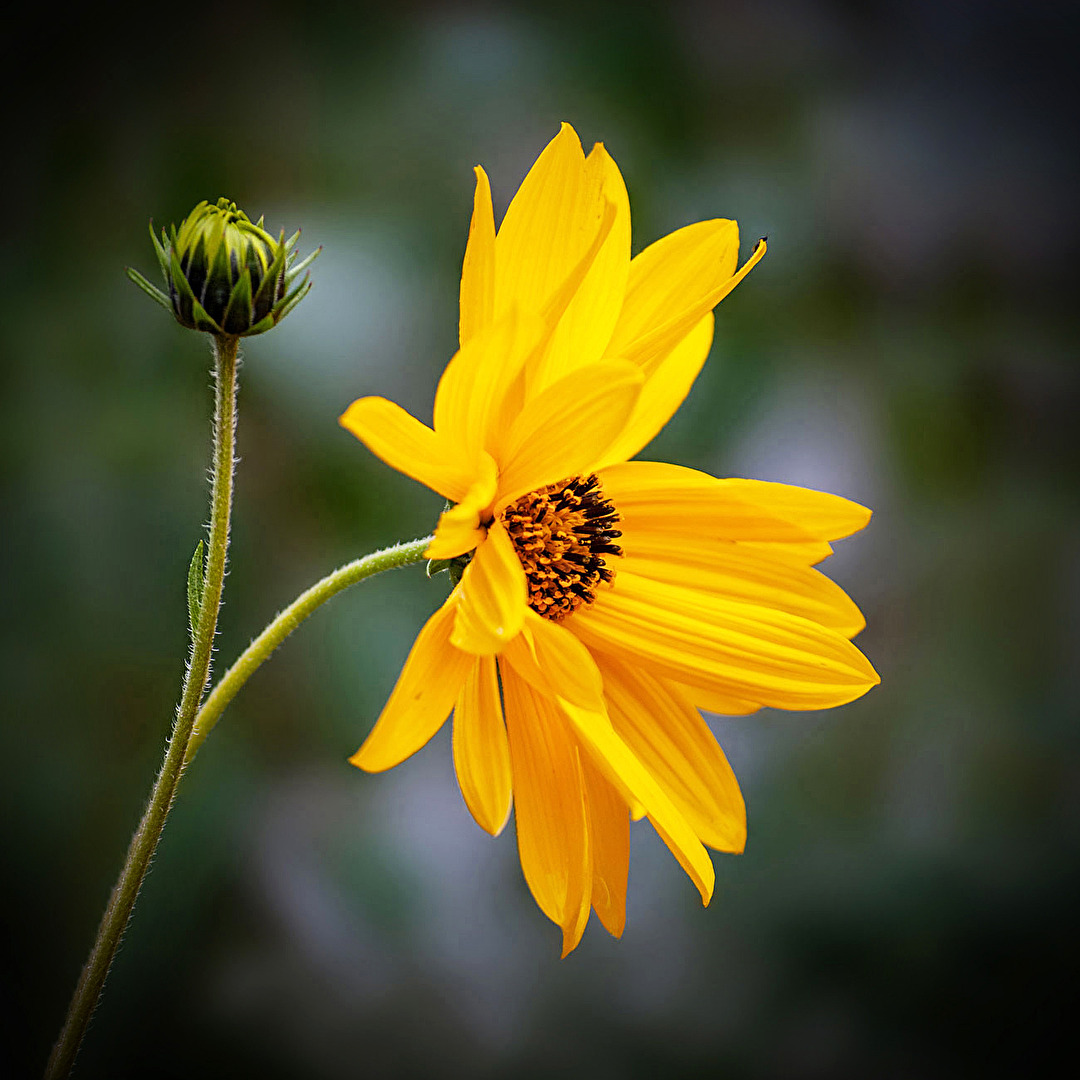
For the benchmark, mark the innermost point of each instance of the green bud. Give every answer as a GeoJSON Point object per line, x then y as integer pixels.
{"type": "Point", "coordinates": [225, 274]}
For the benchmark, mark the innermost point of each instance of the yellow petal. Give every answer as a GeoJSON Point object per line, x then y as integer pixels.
{"type": "Point", "coordinates": [713, 700]}
{"type": "Point", "coordinates": [568, 427]}
{"type": "Point", "coordinates": [687, 270]}
{"type": "Point", "coordinates": [548, 226]}
{"type": "Point", "coordinates": [826, 516]}
{"type": "Point", "coordinates": [549, 806]}
{"type": "Point", "coordinates": [609, 841]}
{"type": "Point", "coordinates": [672, 274]}
{"type": "Point", "coordinates": [481, 752]}
{"type": "Point", "coordinates": [405, 444]}
{"type": "Point", "coordinates": [470, 397]}
{"type": "Point", "coordinates": [750, 576]}
{"type": "Point", "coordinates": [669, 737]}
{"type": "Point", "coordinates": [457, 533]}
{"type": "Point", "coordinates": [809, 553]}
{"type": "Point", "coordinates": [619, 765]}
{"type": "Point", "coordinates": [659, 499]}
{"type": "Point", "coordinates": [664, 390]}
{"type": "Point", "coordinates": [579, 889]}
{"type": "Point", "coordinates": [752, 653]}
{"type": "Point", "coordinates": [478, 269]}
{"type": "Point", "coordinates": [492, 597]}
{"type": "Point", "coordinates": [695, 549]}
{"type": "Point", "coordinates": [593, 294]}
{"type": "Point", "coordinates": [460, 528]}
{"type": "Point", "coordinates": [552, 660]}
{"type": "Point", "coordinates": [422, 699]}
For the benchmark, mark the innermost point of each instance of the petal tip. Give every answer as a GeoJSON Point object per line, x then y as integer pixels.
{"type": "Point", "coordinates": [348, 416]}
{"type": "Point", "coordinates": [707, 885]}
{"type": "Point", "coordinates": [572, 935]}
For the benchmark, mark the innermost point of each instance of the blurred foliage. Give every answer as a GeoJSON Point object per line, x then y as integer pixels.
{"type": "Point", "coordinates": [905, 904]}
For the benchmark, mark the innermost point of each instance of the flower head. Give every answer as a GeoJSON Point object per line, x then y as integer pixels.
{"type": "Point", "coordinates": [226, 274]}
{"type": "Point", "coordinates": [604, 600]}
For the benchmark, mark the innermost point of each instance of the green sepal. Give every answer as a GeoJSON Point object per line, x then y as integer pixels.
{"type": "Point", "coordinates": [152, 291]}
{"type": "Point", "coordinates": [270, 283]}
{"type": "Point", "coordinates": [203, 321]}
{"type": "Point", "coordinates": [262, 326]}
{"type": "Point", "coordinates": [457, 568]}
{"type": "Point", "coordinates": [159, 250]}
{"type": "Point", "coordinates": [294, 271]}
{"type": "Point", "coordinates": [186, 301]}
{"type": "Point", "coordinates": [285, 306]}
{"type": "Point", "coordinates": [238, 313]}
{"type": "Point", "coordinates": [438, 566]}
{"type": "Point", "coordinates": [195, 587]}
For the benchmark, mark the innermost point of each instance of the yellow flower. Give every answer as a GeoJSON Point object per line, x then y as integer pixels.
{"type": "Point", "coordinates": [606, 600]}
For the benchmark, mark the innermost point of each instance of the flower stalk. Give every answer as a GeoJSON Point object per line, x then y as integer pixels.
{"type": "Point", "coordinates": [145, 839]}
{"type": "Point", "coordinates": [287, 620]}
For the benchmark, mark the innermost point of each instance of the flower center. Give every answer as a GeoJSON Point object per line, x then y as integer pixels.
{"type": "Point", "coordinates": [562, 534]}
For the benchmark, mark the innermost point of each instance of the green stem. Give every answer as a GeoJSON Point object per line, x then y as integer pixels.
{"type": "Point", "coordinates": [288, 620]}
{"type": "Point", "coordinates": [145, 840]}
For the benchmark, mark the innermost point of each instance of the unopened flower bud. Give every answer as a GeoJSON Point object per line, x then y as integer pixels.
{"type": "Point", "coordinates": [225, 274]}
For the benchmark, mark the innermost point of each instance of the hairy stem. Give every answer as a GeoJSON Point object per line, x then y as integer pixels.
{"type": "Point", "coordinates": [289, 619]}
{"type": "Point", "coordinates": [145, 839]}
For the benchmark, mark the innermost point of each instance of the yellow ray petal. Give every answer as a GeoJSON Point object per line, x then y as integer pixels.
{"type": "Point", "coordinates": [694, 549]}
{"type": "Point", "coordinates": [665, 389]}
{"type": "Point", "coordinates": [478, 269]}
{"type": "Point", "coordinates": [619, 765]}
{"type": "Point", "coordinates": [481, 752]}
{"type": "Point", "coordinates": [673, 274]}
{"type": "Point", "coordinates": [405, 444]}
{"type": "Point", "coordinates": [457, 533]}
{"type": "Point", "coordinates": [669, 737]}
{"type": "Point", "coordinates": [587, 311]}
{"type": "Point", "coordinates": [460, 528]}
{"type": "Point", "coordinates": [748, 576]}
{"type": "Point", "coordinates": [422, 699]}
{"type": "Point", "coordinates": [827, 516]}
{"type": "Point", "coordinates": [548, 226]}
{"type": "Point", "coordinates": [714, 700]}
{"type": "Point", "coordinates": [711, 287]}
{"type": "Point", "coordinates": [609, 840]}
{"type": "Point", "coordinates": [492, 597]}
{"type": "Point", "coordinates": [549, 805]}
{"type": "Point", "coordinates": [568, 427]}
{"type": "Point", "coordinates": [551, 659]}
{"type": "Point", "coordinates": [754, 653]}
{"type": "Point", "coordinates": [809, 553]}
{"type": "Point", "coordinates": [579, 889]}
{"type": "Point", "coordinates": [660, 499]}
{"type": "Point", "coordinates": [471, 393]}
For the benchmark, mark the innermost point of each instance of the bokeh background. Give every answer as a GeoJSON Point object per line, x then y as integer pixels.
{"type": "Point", "coordinates": [906, 904]}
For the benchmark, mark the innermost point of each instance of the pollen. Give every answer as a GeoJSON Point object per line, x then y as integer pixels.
{"type": "Point", "coordinates": [565, 536]}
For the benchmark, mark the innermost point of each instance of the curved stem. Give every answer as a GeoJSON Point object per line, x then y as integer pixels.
{"type": "Point", "coordinates": [288, 620]}
{"type": "Point", "coordinates": [145, 839]}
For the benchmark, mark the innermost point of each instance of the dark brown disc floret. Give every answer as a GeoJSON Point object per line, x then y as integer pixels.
{"type": "Point", "coordinates": [565, 536]}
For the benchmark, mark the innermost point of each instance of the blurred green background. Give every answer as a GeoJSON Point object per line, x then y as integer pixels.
{"type": "Point", "coordinates": [905, 906]}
